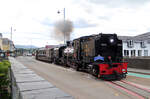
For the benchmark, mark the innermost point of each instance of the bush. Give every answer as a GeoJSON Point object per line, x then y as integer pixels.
{"type": "Point", "coordinates": [4, 79]}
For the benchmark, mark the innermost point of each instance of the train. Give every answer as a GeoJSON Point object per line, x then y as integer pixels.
{"type": "Point", "coordinates": [99, 54]}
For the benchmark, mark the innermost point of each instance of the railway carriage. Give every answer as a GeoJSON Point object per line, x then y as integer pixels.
{"type": "Point", "coordinates": [45, 55]}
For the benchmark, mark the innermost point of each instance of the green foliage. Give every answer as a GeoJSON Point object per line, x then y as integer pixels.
{"type": "Point", "coordinates": [4, 78]}
{"type": "Point", "coordinates": [4, 65]}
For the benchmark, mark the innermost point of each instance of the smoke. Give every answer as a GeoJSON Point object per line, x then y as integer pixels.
{"type": "Point", "coordinates": [61, 28]}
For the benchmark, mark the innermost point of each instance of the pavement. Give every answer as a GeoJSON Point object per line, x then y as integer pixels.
{"type": "Point", "coordinates": [141, 71]}
{"type": "Point", "coordinates": [26, 84]}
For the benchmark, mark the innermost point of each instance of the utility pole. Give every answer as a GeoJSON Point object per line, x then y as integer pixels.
{"type": "Point", "coordinates": [64, 28]}
{"type": "Point", "coordinates": [31, 47]}
{"type": "Point", "coordinates": [11, 33]}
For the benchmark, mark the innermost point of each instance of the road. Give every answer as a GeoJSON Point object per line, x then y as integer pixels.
{"type": "Point", "coordinates": [82, 85]}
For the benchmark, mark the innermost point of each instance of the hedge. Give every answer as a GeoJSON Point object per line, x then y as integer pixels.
{"type": "Point", "coordinates": [4, 79]}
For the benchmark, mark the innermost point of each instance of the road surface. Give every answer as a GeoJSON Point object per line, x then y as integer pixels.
{"type": "Point", "coordinates": [84, 86]}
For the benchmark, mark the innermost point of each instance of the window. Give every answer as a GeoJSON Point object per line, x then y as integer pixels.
{"type": "Point", "coordinates": [145, 52]}
{"type": "Point", "coordinates": [143, 44]}
{"type": "Point", "coordinates": [5, 42]}
{"type": "Point", "coordinates": [126, 52]}
{"type": "Point", "coordinates": [130, 43]}
{"type": "Point", "coordinates": [133, 52]}
{"type": "Point", "coordinates": [139, 52]}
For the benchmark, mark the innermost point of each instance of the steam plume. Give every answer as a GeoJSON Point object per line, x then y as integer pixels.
{"type": "Point", "coordinates": [61, 28]}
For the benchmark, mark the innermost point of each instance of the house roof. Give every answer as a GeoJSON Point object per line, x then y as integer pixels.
{"type": "Point", "coordinates": [50, 46]}
{"type": "Point", "coordinates": [141, 37]}
{"type": "Point", "coordinates": [145, 36]}
{"type": "Point", "coordinates": [124, 38]}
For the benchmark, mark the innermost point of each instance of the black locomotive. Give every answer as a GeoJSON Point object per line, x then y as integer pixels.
{"type": "Point", "coordinates": [101, 55]}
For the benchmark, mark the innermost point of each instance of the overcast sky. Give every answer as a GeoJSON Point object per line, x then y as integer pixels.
{"type": "Point", "coordinates": [34, 20]}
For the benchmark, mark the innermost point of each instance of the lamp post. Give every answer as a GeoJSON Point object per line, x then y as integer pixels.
{"type": "Point", "coordinates": [64, 13]}
{"type": "Point", "coordinates": [64, 27]}
{"type": "Point", "coordinates": [11, 33]}
{"type": "Point", "coordinates": [12, 48]}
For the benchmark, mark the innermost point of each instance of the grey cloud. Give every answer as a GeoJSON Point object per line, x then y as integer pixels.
{"type": "Point", "coordinates": [81, 23]}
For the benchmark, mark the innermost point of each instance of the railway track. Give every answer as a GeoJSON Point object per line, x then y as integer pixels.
{"type": "Point", "coordinates": [131, 89]}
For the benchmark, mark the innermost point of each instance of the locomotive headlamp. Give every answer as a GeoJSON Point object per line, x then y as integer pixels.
{"type": "Point", "coordinates": [111, 40]}
{"type": "Point", "coordinates": [123, 70]}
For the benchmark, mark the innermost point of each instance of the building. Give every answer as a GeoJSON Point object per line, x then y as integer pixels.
{"type": "Point", "coordinates": [6, 44]}
{"type": "Point", "coordinates": [136, 46]}
{"type": "Point", "coordinates": [50, 46]}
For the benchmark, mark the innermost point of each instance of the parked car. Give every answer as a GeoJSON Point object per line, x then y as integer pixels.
{"type": "Point", "coordinates": [29, 54]}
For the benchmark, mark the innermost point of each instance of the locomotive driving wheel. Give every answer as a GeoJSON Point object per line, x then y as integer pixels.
{"type": "Point", "coordinates": [95, 71]}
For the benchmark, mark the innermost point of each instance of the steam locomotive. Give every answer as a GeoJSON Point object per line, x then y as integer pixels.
{"type": "Point", "coordinates": [100, 55]}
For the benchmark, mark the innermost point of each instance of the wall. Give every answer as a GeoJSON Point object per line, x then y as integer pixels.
{"type": "Point", "coordinates": [139, 63]}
